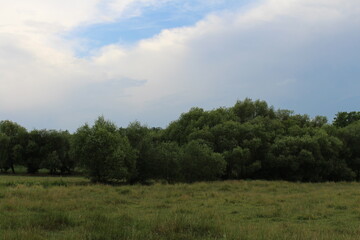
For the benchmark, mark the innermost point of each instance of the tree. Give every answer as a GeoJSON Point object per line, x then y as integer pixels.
{"type": "Point", "coordinates": [294, 158]}
{"type": "Point", "coordinates": [307, 158]}
{"type": "Point", "coordinates": [204, 135]}
{"type": "Point", "coordinates": [200, 163]}
{"type": "Point", "coordinates": [52, 162]}
{"type": "Point", "coordinates": [343, 119]}
{"type": "Point", "coordinates": [240, 164]}
{"type": "Point", "coordinates": [4, 152]}
{"type": "Point", "coordinates": [141, 139]}
{"type": "Point", "coordinates": [55, 148]}
{"type": "Point", "coordinates": [17, 136]}
{"type": "Point", "coordinates": [350, 135]}
{"type": "Point", "coordinates": [104, 153]}
{"type": "Point", "coordinates": [226, 135]}
{"type": "Point", "coordinates": [247, 110]}
{"type": "Point", "coordinates": [319, 121]}
{"type": "Point", "coordinates": [166, 159]}
{"type": "Point", "coordinates": [33, 154]}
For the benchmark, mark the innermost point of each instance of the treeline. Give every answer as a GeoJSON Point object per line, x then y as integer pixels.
{"type": "Point", "coordinates": [247, 141]}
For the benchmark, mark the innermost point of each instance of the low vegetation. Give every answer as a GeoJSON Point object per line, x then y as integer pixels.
{"type": "Point", "coordinates": [36, 208]}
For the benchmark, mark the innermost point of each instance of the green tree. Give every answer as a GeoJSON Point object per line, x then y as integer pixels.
{"type": "Point", "coordinates": [247, 110]}
{"type": "Point", "coordinates": [4, 152]}
{"type": "Point", "coordinates": [105, 154]}
{"type": "Point", "coordinates": [319, 121]}
{"type": "Point", "coordinates": [200, 163]}
{"type": "Point", "coordinates": [142, 139]}
{"type": "Point", "coordinates": [167, 156]}
{"type": "Point", "coordinates": [52, 162]}
{"type": "Point", "coordinates": [343, 119]}
{"type": "Point", "coordinates": [240, 164]}
{"type": "Point", "coordinates": [56, 143]}
{"type": "Point", "coordinates": [33, 158]}
{"type": "Point", "coordinates": [226, 135]}
{"type": "Point", "coordinates": [17, 136]}
{"type": "Point", "coordinates": [292, 158]}
{"type": "Point", "coordinates": [307, 158]}
{"type": "Point", "coordinates": [350, 135]}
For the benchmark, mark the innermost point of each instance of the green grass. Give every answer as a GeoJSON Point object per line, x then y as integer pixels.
{"type": "Point", "coordinates": [72, 208]}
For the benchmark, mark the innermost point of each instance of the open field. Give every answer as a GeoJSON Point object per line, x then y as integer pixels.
{"type": "Point", "coordinates": [71, 208]}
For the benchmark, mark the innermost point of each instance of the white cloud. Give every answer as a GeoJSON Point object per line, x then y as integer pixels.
{"type": "Point", "coordinates": [258, 53]}
{"type": "Point", "coordinates": [250, 51]}
{"type": "Point", "coordinates": [37, 66]}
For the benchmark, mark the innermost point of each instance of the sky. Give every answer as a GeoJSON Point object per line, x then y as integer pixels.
{"type": "Point", "coordinates": [64, 63]}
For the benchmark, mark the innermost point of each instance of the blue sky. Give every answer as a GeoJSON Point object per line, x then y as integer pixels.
{"type": "Point", "coordinates": [152, 20]}
{"type": "Point", "coordinates": [65, 63]}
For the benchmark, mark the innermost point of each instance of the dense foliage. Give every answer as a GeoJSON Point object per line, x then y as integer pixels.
{"type": "Point", "coordinates": [247, 141]}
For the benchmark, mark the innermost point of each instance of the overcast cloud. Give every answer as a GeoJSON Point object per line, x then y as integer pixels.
{"type": "Point", "coordinates": [302, 55]}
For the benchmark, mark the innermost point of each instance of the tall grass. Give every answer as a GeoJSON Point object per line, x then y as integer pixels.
{"type": "Point", "coordinates": [71, 208]}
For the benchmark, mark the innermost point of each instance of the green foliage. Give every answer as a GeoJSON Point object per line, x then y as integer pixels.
{"type": "Point", "coordinates": [343, 119]}
{"type": "Point", "coordinates": [196, 120]}
{"type": "Point", "coordinates": [33, 154]}
{"type": "Point", "coordinates": [52, 162]}
{"type": "Point", "coordinates": [105, 154]}
{"type": "Point", "coordinates": [240, 164]}
{"type": "Point", "coordinates": [49, 149]}
{"type": "Point", "coordinates": [4, 152]}
{"type": "Point", "coordinates": [319, 121]}
{"type": "Point", "coordinates": [308, 158]}
{"type": "Point", "coordinates": [142, 139]}
{"type": "Point", "coordinates": [350, 135]}
{"type": "Point", "coordinates": [249, 140]}
{"type": "Point", "coordinates": [200, 163]}
{"type": "Point", "coordinates": [16, 136]}
{"type": "Point", "coordinates": [166, 159]}
{"type": "Point", "coordinates": [247, 110]}
{"type": "Point", "coordinates": [227, 135]}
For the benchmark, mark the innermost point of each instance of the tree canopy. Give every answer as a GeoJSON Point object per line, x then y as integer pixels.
{"type": "Point", "coordinates": [250, 140]}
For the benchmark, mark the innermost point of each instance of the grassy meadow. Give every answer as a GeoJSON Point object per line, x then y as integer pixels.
{"type": "Point", "coordinates": [72, 208]}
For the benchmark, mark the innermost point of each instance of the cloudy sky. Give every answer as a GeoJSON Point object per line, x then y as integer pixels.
{"type": "Point", "coordinates": [63, 63]}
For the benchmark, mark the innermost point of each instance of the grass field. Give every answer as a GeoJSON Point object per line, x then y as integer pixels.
{"type": "Point", "coordinates": [72, 208]}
